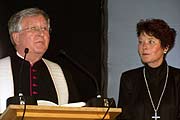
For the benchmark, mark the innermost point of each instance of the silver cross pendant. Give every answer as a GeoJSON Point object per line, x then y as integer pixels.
{"type": "Point", "coordinates": [155, 116]}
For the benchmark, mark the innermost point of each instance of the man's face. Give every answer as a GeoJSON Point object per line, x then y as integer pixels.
{"type": "Point", "coordinates": [34, 35]}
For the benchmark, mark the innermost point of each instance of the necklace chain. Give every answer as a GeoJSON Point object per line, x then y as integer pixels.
{"type": "Point", "coordinates": [156, 109]}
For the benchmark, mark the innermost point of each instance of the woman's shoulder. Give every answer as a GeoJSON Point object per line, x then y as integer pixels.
{"type": "Point", "coordinates": [174, 70]}
{"type": "Point", "coordinates": [175, 73]}
{"type": "Point", "coordinates": [132, 74]}
{"type": "Point", "coordinates": [132, 78]}
{"type": "Point", "coordinates": [134, 71]}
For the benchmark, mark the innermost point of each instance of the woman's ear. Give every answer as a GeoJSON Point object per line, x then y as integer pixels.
{"type": "Point", "coordinates": [166, 49]}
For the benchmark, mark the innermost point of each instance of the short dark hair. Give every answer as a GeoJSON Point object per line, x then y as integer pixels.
{"type": "Point", "coordinates": [159, 29]}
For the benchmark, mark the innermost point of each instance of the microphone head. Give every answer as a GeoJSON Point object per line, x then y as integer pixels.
{"type": "Point", "coordinates": [26, 50]}
{"type": "Point", "coordinates": [101, 102]}
{"type": "Point", "coordinates": [15, 100]}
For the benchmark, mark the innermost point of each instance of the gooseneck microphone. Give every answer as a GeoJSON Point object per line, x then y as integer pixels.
{"type": "Point", "coordinates": [80, 67]}
{"type": "Point", "coordinates": [19, 98]}
{"type": "Point", "coordinates": [99, 101]}
{"type": "Point", "coordinates": [20, 93]}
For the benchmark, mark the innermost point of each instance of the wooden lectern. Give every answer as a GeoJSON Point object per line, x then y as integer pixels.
{"type": "Point", "coordinates": [34, 112]}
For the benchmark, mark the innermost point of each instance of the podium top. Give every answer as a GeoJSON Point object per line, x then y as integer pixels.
{"type": "Point", "coordinates": [34, 112]}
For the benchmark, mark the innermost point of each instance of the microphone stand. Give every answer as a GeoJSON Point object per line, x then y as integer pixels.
{"type": "Point", "coordinates": [99, 101]}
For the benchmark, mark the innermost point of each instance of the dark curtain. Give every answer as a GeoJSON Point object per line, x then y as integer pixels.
{"type": "Point", "coordinates": [79, 27]}
{"type": "Point", "coordinates": [104, 47]}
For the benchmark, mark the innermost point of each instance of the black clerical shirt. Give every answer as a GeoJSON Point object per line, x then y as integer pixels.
{"type": "Point", "coordinates": [35, 79]}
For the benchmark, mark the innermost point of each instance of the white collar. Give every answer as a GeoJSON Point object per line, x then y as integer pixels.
{"type": "Point", "coordinates": [19, 55]}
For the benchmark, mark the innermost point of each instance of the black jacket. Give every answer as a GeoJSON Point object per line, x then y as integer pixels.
{"type": "Point", "coordinates": [135, 102]}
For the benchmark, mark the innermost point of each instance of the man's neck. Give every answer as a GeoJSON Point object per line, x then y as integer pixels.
{"type": "Point", "coordinates": [30, 58]}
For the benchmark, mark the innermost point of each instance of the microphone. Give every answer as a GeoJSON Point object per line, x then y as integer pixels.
{"type": "Point", "coordinates": [20, 93]}
{"type": "Point", "coordinates": [20, 99]}
{"type": "Point", "coordinates": [83, 70]}
{"type": "Point", "coordinates": [99, 101]}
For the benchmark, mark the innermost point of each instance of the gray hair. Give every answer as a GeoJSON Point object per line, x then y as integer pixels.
{"type": "Point", "coordinates": [14, 23]}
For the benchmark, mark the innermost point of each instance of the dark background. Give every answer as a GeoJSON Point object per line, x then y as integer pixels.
{"type": "Point", "coordinates": [78, 27]}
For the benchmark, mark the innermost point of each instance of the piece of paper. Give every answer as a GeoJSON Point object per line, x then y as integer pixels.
{"type": "Point", "coordinates": [49, 103]}
{"type": "Point", "coordinates": [77, 104]}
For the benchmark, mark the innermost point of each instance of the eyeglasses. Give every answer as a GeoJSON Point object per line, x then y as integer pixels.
{"type": "Point", "coordinates": [37, 29]}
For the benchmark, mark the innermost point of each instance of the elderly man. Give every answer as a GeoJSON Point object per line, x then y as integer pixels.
{"type": "Point", "coordinates": [26, 71]}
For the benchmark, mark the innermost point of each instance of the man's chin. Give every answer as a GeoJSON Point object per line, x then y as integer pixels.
{"type": "Point", "coordinates": [40, 52]}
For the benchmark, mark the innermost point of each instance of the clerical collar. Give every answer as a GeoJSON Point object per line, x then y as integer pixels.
{"type": "Point", "coordinates": [19, 55]}
{"type": "Point", "coordinates": [22, 57]}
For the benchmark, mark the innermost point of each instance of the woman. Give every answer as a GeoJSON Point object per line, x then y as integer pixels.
{"type": "Point", "coordinates": [151, 92]}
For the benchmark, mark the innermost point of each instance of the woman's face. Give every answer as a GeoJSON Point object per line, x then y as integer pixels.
{"type": "Point", "coordinates": [150, 50]}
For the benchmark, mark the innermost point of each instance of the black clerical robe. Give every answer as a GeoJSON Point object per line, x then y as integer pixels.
{"type": "Point", "coordinates": [135, 101]}
{"type": "Point", "coordinates": [36, 81]}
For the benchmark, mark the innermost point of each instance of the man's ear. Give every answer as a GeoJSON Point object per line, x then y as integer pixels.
{"type": "Point", "coordinates": [15, 37]}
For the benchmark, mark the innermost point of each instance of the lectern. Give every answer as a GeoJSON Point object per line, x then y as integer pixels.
{"type": "Point", "coordinates": [34, 112]}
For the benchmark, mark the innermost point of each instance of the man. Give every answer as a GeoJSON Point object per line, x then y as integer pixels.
{"type": "Point", "coordinates": [26, 71]}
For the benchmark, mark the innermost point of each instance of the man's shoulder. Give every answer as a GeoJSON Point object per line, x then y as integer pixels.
{"type": "Point", "coordinates": [51, 64]}
{"type": "Point", "coordinates": [4, 59]}
{"type": "Point", "coordinates": [49, 61]}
